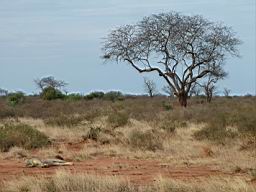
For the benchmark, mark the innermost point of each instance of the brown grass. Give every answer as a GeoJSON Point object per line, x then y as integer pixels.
{"type": "Point", "coordinates": [65, 181]}
{"type": "Point", "coordinates": [84, 129]}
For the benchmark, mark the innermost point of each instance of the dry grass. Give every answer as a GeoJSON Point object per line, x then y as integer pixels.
{"type": "Point", "coordinates": [145, 125]}
{"type": "Point", "coordinates": [65, 181]}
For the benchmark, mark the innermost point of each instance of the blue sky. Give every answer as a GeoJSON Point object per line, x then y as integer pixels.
{"type": "Point", "coordinates": [63, 38]}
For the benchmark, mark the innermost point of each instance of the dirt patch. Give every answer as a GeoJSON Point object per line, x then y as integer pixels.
{"type": "Point", "coordinates": [137, 171]}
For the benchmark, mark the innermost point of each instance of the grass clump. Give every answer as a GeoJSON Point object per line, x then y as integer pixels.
{"type": "Point", "coordinates": [247, 125]}
{"type": "Point", "coordinates": [171, 125]}
{"type": "Point", "coordinates": [168, 126]}
{"type": "Point", "coordinates": [21, 135]}
{"type": "Point", "coordinates": [145, 140]}
{"type": "Point", "coordinates": [216, 130]}
{"type": "Point", "coordinates": [93, 134]}
{"type": "Point", "coordinates": [64, 121]}
{"type": "Point", "coordinates": [118, 119]}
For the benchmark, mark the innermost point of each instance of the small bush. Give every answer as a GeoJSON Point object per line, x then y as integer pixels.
{"type": "Point", "coordinates": [167, 106]}
{"type": "Point", "coordinates": [216, 130]}
{"type": "Point", "coordinates": [51, 93]}
{"type": "Point", "coordinates": [118, 119]}
{"type": "Point", "coordinates": [16, 98]}
{"type": "Point", "coordinates": [95, 95]}
{"type": "Point", "coordinates": [93, 134]}
{"type": "Point", "coordinates": [145, 140]}
{"type": "Point", "coordinates": [168, 126]}
{"type": "Point", "coordinates": [21, 135]}
{"type": "Point", "coordinates": [64, 121]}
{"type": "Point", "coordinates": [114, 96]}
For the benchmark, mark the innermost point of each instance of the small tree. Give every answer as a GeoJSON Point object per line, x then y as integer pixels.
{"type": "Point", "coordinates": [49, 93]}
{"type": "Point", "coordinates": [50, 81]}
{"type": "Point", "coordinates": [50, 88]}
{"type": "Point", "coordinates": [3, 92]}
{"type": "Point", "coordinates": [226, 92]}
{"type": "Point", "coordinates": [181, 49]}
{"type": "Point", "coordinates": [150, 87]}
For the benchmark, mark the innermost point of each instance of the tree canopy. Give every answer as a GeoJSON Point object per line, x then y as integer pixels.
{"type": "Point", "coordinates": [182, 49]}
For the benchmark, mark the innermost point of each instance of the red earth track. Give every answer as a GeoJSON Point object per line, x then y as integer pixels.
{"type": "Point", "coordinates": [137, 171]}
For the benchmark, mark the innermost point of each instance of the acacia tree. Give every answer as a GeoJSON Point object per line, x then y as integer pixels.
{"type": "Point", "coordinates": [181, 49]}
{"type": "Point", "coordinates": [150, 87]}
{"type": "Point", "coordinates": [226, 92]}
{"type": "Point", "coordinates": [51, 82]}
{"type": "Point", "coordinates": [209, 87]}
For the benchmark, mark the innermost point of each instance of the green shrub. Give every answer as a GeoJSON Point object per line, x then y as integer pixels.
{"type": "Point", "coordinates": [73, 97]}
{"type": "Point", "coordinates": [51, 93]}
{"type": "Point", "coordinates": [114, 96]}
{"type": "Point", "coordinates": [21, 135]}
{"type": "Point", "coordinates": [95, 95]}
{"type": "Point", "coordinates": [118, 119]}
{"type": "Point", "coordinates": [145, 140]}
{"type": "Point", "coordinates": [64, 120]}
{"type": "Point", "coordinates": [15, 98]}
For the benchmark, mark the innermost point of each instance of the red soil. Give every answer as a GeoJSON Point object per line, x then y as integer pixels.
{"type": "Point", "coordinates": [137, 171]}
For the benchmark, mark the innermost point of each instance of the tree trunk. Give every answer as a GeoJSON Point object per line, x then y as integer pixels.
{"type": "Point", "coordinates": [209, 97]}
{"type": "Point", "coordinates": [183, 99]}
{"type": "Point", "coordinates": [151, 95]}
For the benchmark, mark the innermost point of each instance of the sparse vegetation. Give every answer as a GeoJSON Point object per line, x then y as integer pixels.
{"type": "Point", "coordinates": [64, 120]}
{"type": "Point", "coordinates": [65, 181]}
{"type": "Point", "coordinates": [135, 128]}
{"type": "Point", "coordinates": [186, 137]}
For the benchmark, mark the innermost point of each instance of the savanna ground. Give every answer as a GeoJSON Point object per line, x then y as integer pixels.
{"type": "Point", "coordinates": [132, 144]}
